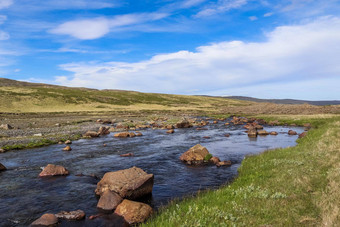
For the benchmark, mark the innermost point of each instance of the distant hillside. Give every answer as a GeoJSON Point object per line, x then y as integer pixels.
{"type": "Point", "coordinates": [17, 96]}
{"type": "Point", "coordinates": [286, 101]}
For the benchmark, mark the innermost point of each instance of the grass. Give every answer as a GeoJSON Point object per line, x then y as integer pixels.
{"type": "Point", "coordinates": [41, 142]}
{"type": "Point", "coordinates": [296, 186]}
{"type": "Point", "coordinates": [16, 96]}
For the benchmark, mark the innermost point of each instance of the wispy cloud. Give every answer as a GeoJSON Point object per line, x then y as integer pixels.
{"type": "Point", "coordinates": [252, 18]}
{"type": "Point", "coordinates": [5, 3]}
{"type": "Point", "coordinates": [285, 57]}
{"type": "Point", "coordinates": [98, 27]}
{"type": "Point", "coordinates": [4, 35]}
{"type": "Point", "coordinates": [221, 6]}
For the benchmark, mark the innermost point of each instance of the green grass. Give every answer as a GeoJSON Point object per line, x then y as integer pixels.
{"type": "Point", "coordinates": [296, 186]}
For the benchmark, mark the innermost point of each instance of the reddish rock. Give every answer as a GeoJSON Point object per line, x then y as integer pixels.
{"type": "Point", "coordinates": [99, 121]}
{"type": "Point", "coordinates": [215, 122]}
{"type": "Point", "coordinates": [67, 148]}
{"type": "Point", "coordinates": [215, 160]}
{"type": "Point", "coordinates": [227, 123]}
{"type": "Point", "coordinates": [201, 129]}
{"type": "Point", "coordinates": [262, 133]}
{"type": "Point", "coordinates": [133, 212]}
{"type": "Point", "coordinates": [273, 133]}
{"type": "Point", "coordinates": [302, 134]}
{"type": "Point", "coordinates": [129, 183]}
{"type": "Point", "coordinates": [206, 137]}
{"type": "Point", "coordinates": [139, 134]}
{"type": "Point", "coordinates": [170, 127]}
{"type": "Point", "coordinates": [104, 130]}
{"type": "Point", "coordinates": [104, 144]}
{"type": "Point", "coordinates": [53, 170]}
{"type": "Point", "coordinates": [126, 155]}
{"type": "Point", "coordinates": [109, 201]}
{"type": "Point", "coordinates": [68, 142]}
{"type": "Point", "coordinates": [125, 134]}
{"type": "Point", "coordinates": [291, 132]}
{"type": "Point", "coordinates": [224, 163]}
{"type": "Point", "coordinates": [91, 134]}
{"type": "Point", "coordinates": [258, 126]}
{"type": "Point", "coordinates": [46, 220]}
{"type": "Point", "coordinates": [170, 131]}
{"type": "Point", "coordinates": [2, 167]}
{"type": "Point", "coordinates": [72, 215]}
{"type": "Point", "coordinates": [227, 135]}
{"type": "Point", "coordinates": [195, 155]}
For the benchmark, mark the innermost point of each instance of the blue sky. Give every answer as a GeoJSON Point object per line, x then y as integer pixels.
{"type": "Point", "coordinates": [264, 49]}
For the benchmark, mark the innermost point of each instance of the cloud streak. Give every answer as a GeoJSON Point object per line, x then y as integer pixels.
{"type": "Point", "coordinates": [220, 7]}
{"type": "Point", "coordinates": [287, 56]}
{"type": "Point", "coordinates": [95, 28]}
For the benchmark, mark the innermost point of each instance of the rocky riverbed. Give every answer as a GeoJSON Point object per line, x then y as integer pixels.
{"type": "Point", "coordinates": [25, 196]}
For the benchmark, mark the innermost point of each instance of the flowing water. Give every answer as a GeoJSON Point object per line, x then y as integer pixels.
{"type": "Point", "coordinates": [24, 196]}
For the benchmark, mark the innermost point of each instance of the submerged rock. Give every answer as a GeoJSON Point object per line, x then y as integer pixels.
{"type": "Point", "coordinates": [127, 155]}
{"type": "Point", "coordinates": [53, 170]}
{"type": "Point", "coordinates": [170, 131]}
{"type": "Point", "coordinates": [224, 163]}
{"type": "Point", "coordinates": [109, 201]}
{"type": "Point", "coordinates": [133, 212]}
{"type": "Point", "coordinates": [67, 148]}
{"type": "Point", "coordinates": [292, 133]}
{"type": "Point", "coordinates": [252, 132]}
{"type": "Point", "coordinates": [72, 215]}
{"type": "Point", "coordinates": [2, 167]}
{"type": "Point", "coordinates": [46, 220]}
{"type": "Point", "coordinates": [128, 183]}
{"type": "Point", "coordinates": [273, 133]}
{"type": "Point", "coordinates": [195, 155]}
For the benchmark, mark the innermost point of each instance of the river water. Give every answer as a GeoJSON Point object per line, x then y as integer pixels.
{"type": "Point", "coordinates": [24, 196]}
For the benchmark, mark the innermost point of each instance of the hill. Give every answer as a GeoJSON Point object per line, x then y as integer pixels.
{"type": "Point", "coordinates": [286, 101]}
{"type": "Point", "coordinates": [17, 96]}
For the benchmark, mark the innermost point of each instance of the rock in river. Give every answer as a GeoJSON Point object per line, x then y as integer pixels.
{"type": "Point", "coordinates": [2, 167]}
{"type": "Point", "coordinates": [53, 170]}
{"type": "Point", "coordinates": [128, 183]}
{"type": "Point", "coordinates": [252, 132]}
{"type": "Point", "coordinates": [46, 220]}
{"type": "Point", "coordinates": [72, 215]}
{"type": "Point", "coordinates": [195, 155]}
{"type": "Point", "coordinates": [125, 134]}
{"type": "Point", "coordinates": [183, 124]}
{"type": "Point", "coordinates": [133, 212]}
{"type": "Point", "coordinates": [67, 148]}
{"type": "Point", "coordinates": [292, 133]}
{"type": "Point", "coordinates": [109, 201]}
{"type": "Point", "coordinates": [91, 134]}
{"type": "Point", "coordinates": [262, 132]}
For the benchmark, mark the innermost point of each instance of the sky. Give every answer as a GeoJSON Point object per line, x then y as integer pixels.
{"type": "Point", "coordinates": [258, 48]}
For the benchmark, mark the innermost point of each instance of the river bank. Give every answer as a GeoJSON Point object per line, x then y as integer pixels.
{"type": "Point", "coordinates": [296, 186]}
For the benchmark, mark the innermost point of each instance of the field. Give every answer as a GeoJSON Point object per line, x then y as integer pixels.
{"type": "Point", "coordinates": [296, 186]}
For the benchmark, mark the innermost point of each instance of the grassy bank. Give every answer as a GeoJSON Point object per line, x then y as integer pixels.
{"type": "Point", "coordinates": [296, 186]}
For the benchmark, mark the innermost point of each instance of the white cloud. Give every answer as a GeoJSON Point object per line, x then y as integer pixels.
{"type": "Point", "coordinates": [5, 3]}
{"type": "Point", "coordinates": [253, 18]}
{"type": "Point", "coordinates": [4, 35]}
{"type": "Point", "coordinates": [268, 14]}
{"type": "Point", "coordinates": [220, 7]}
{"type": "Point", "coordinates": [98, 27]}
{"type": "Point", "coordinates": [290, 55]}
{"type": "Point", "coordinates": [3, 18]}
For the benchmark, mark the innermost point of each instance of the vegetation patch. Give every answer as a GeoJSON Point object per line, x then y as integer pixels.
{"type": "Point", "coordinates": [296, 186]}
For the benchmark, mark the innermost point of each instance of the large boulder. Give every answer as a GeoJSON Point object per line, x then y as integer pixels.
{"type": "Point", "coordinates": [183, 124]}
{"type": "Point", "coordinates": [53, 170]}
{"type": "Point", "coordinates": [2, 167]}
{"type": "Point", "coordinates": [72, 215]}
{"type": "Point", "coordinates": [46, 220]}
{"type": "Point", "coordinates": [109, 201]}
{"type": "Point", "coordinates": [128, 183]}
{"type": "Point", "coordinates": [91, 134]}
{"type": "Point", "coordinates": [133, 212]}
{"type": "Point", "coordinates": [195, 155]}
